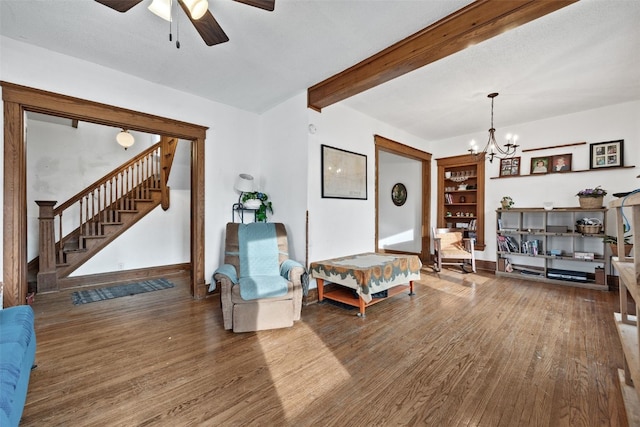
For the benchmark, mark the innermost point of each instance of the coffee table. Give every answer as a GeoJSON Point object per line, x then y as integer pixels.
{"type": "Point", "coordinates": [367, 274]}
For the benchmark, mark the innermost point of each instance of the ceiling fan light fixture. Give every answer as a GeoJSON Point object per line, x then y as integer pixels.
{"type": "Point", "coordinates": [197, 8]}
{"type": "Point", "coordinates": [125, 139]}
{"type": "Point", "coordinates": [161, 8]}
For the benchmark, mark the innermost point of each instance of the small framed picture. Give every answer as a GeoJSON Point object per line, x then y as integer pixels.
{"type": "Point", "coordinates": [510, 167]}
{"type": "Point", "coordinates": [399, 194]}
{"type": "Point", "coordinates": [539, 165]}
{"type": "Point", "coordinates": [608, 154]}
{"type": "Point", "coordinates": [561, 163]}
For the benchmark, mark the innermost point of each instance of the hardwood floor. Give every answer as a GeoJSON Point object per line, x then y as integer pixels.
{"type": "Point", "coordinates": [466, 350]}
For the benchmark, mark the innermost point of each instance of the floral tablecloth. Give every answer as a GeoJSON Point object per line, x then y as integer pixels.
{"type": "Point", "coordinates": [368, 273]}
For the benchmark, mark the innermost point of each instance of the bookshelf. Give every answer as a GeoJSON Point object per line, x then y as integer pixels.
{"type": "Point", "coordinates": [548, 246]}
{"type": "Point", "coordinates": [461, 195]}
{"type": "Point", "coordinates": [626, 323]}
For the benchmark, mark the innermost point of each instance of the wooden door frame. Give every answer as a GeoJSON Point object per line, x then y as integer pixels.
{"type": "Point", "coordinates": [393, 147]}
{"type": "Point", "coordinates": [19, 99]}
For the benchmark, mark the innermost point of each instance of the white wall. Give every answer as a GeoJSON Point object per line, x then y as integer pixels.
{"type": "Point", "coordinates": [399, 227]}
{"type": "Point", "coordinates": [340, 227]}
{"type": "Point", "coordinates": [283, 153]}
{"type": "Point", "coordinates": [604, 124]}
{"type": "Point", "coordinates": [232, 133]}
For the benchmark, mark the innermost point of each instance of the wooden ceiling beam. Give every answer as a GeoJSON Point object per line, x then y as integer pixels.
{"type": "Point", "coordinates": [477, 22]}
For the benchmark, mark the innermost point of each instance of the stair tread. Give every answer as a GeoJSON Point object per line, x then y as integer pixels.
{"type": "Point", "coordinates": [73, 250]}
{"type": "Point", "coordinates": [95, 236]}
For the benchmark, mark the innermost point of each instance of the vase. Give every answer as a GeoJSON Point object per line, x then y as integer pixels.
{"type": "Point", "coordinates": [614, 249]}
{"type": "Point", "coordinates": [252, 204]}
{"type": "Point", "coordinates": [590, 202]}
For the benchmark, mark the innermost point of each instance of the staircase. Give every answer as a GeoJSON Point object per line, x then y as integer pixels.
{"type": "Point", "coordinates": [97, 215]}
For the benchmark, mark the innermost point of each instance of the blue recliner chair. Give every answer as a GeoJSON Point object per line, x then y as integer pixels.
{"type": "Point", "coordinates": [260, 287]}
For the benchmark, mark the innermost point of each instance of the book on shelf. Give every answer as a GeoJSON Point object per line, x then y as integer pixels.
{"type": "Point", "coordinates": [508, 244]}
{"type": "Point", "coordinates": [448, 198]}
{"type": "Point", "coordinates": [532, 247]}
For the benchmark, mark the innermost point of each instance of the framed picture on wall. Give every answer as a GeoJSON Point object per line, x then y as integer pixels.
{"type": "Point", "coordinates": [561, 163]}
{"type": "Point", "coordinates": [344, 174]}
{"type": "Point", "coordinates": [539, 165]}
{"type": "Point", "coordinates": [510, 167]}
{"type": "Point", "coordinates": [399, 194]}
{"type": "Point", "coordinates": [608, 154]}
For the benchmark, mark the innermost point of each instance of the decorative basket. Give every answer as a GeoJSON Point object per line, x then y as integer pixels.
{"type": "Point", "coordinates": [252, 204]}
{"type": "Point", "coordinates": [589, 229]}
{"type": "Point", "coordinates": [590, 202]}
{"type": "Point", "coordinates": [589, 226]}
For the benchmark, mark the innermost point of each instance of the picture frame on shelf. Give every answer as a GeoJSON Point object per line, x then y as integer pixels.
{"type": "Point", "coordinates": [609, 154]}
{"type": "Point", "coordinates": [540, 165]}
{"type": "Point", "coordinates": [510, 167]}
{"type": "Point", "coordinates": [344, 174]}
{"type": "Point", "coordinates": [560, 163]}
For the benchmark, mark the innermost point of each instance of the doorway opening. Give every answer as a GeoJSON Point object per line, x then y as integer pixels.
{"type": "Point", "coordinates": [420, 225]}
{"type": "Point", "coordinates": [21, 99]}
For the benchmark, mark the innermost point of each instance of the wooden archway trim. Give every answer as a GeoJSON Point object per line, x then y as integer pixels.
{"type": "Point", "coordinates": [397, 148]}
{"type": "Point", "coordinates": [17, 100]}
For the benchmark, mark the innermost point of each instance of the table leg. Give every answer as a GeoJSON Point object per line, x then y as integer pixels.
{"type": "Point", "coordinates": [361, 306]}
{"type": "Point", "coordinates": [320, 283]}
{"type": "Point", "coordinates": [411, 288]}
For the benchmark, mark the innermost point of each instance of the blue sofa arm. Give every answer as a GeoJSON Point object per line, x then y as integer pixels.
{"type": "Point", "coordinates": [17, 356]}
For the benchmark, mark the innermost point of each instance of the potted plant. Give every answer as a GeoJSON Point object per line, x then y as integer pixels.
{"type": "Point", "coordinates": [591, 198]}
{"type": "Point", "coordinates": [258, 201]}
{"type": "Point", "coordinates": [613, 244]}
{"type": "Point", "coordinates": [506, 202]}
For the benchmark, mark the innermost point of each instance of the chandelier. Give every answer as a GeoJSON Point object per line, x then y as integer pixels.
{"type": "Point", "coordinates": [493, 149]}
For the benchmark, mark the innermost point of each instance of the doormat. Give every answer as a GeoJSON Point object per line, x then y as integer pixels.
{"type": "Point", "coordinates": [101, 294]}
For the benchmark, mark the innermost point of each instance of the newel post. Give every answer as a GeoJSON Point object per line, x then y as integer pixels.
{"type": "Point", "coordinates": [47, 276]}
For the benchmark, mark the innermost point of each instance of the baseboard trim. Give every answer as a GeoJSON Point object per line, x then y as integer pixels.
{"type": "Point", "coordinates": [123, 276]}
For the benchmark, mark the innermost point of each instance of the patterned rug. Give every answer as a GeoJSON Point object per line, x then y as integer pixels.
{"type": "Point", "coordinates": [100, 294]}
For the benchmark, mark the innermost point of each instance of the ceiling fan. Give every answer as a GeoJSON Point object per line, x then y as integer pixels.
{"type": "Point", "coordinates": [197, 11]}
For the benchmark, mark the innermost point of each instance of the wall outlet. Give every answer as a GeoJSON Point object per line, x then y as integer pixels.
{"type": "Point", "coordinates": [121, 266]}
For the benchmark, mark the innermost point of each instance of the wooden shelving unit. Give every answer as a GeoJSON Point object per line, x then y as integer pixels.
{"type": "Point", "coordinates": [628, 269]}
{"type": "Point", "coordinates": [458, 206]}
{"type": "Point", "coordinates": [544, 242]}
{"type": "Point", "coordinates": [576, 171]}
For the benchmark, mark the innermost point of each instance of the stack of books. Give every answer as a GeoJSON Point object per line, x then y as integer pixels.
{"type": "Point", "coordinates": [507, 244]}
{"type": "Point", "coordinates": [532, 247]}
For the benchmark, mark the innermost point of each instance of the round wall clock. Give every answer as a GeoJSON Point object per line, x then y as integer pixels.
{"type": "Point", "coordinates": [399, 194]}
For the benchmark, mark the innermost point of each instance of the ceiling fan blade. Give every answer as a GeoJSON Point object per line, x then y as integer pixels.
{"type": "Point", "coordinates": [207, 26]}
{"type": "Point", "coordinates": [119, 5]}
{"type": "Point", "coordinates": [262, 4]}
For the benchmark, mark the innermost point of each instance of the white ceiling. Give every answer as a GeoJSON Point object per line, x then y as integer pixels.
{"type": "Point", "coordinates": [584, 56]}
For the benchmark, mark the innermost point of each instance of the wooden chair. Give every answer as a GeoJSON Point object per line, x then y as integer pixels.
{"type": "Point", "coordinates": [450, 244]}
